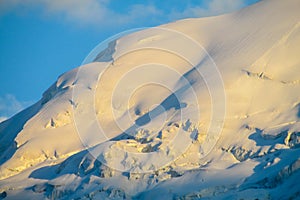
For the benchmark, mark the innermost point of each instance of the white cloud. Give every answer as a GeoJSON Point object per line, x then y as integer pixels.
{"type": "Point", "coordinates": [98, 12]}
{"type": "Point", "coordinates": [10, 105]}
{"type": "Point", "coordinates": [85, 11]}
{"type": "Point", "coordinates": [222, 6]}
{"type": "Point", "coordinates": [2, 119]}
{"type": "Point", "coordinates": [213, 7]}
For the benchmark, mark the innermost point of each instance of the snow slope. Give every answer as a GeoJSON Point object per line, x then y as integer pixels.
{"type": "Point", "coordinates": [198, 108]}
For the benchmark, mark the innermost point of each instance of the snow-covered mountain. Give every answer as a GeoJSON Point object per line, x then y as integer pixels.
{"type": "Point", "coordinates": [198, 108]}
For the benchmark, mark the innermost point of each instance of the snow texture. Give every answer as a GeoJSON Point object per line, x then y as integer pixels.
{"type": "Point", "coordinates": [198, 108]}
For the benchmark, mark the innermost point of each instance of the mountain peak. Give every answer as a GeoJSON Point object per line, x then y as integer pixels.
{"type": "Point", "coordinates": [192, 109]}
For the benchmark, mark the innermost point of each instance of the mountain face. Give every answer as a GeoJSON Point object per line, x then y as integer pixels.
{"type": "Point", "coordinates": [198, 108]}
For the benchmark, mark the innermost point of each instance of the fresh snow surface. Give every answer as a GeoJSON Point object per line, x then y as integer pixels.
{"type": "Point", "coordinates": [198, 108]}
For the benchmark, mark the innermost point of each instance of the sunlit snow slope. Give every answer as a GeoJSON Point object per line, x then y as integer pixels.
{"type": "Point", "coordinates": [196, 108]}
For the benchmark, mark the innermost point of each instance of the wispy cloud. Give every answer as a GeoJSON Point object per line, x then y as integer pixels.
{"type": "Point", "coordinates": [10, 105]}
{"type": "Point", "coordinates": [98, 12]}
{"type": "Point", "coordinates": [222, 6]}
{"type": "Point", "coordinates": [83, 10]}
{"type": "Point", "coordinates": [3, 119]}
{"type": "Point", "coordinates": [212, 7]}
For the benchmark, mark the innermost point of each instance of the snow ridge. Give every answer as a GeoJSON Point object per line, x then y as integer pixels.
{"type": "Point", "coordinates": [198, 108]}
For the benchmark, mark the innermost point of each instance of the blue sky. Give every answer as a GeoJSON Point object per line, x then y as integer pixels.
{"type": "Point", "coordinates": [41, 39]}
